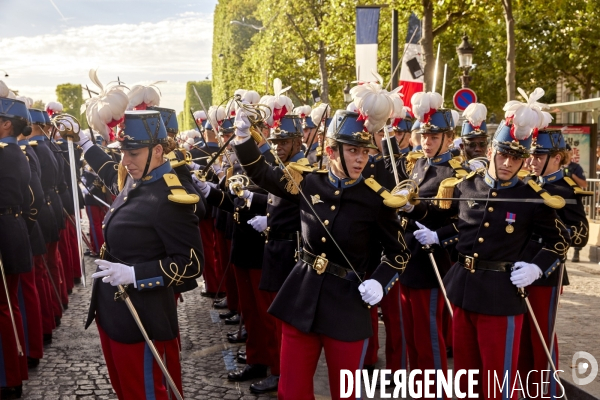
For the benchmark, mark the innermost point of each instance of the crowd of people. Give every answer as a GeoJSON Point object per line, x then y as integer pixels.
{"type": "Point", "coordinates": [307, 225]}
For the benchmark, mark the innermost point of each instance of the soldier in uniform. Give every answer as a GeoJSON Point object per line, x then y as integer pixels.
{"type": "Point", "coordinates": [483, 286]}
{"type": "Point", "coordinates": [152, 246]}
{"type": "Point", "coordinates": [94, 188]}
{"type": "Point", "coordinates": [15, 249]}
{"type": "Point", "coordinates": [309, 137]}
{"type": "Point", "coordinates": [474, 140]}
{"type": "Point", "coordinates": [322, 302]}
{"type": "Point", "coordinates": [548, 155]}
{"type": "Point", "coordinates": [402, 134]}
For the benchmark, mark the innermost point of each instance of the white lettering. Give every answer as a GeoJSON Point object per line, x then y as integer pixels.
{"type": "Point", "coordinates": [370, 384]}
{"type": "Point", "coordinates": [412, 384]}
{"type": "Point", "coordinates": [459, 394]}
{"type": "Point", "coordinates": [473, 383]}
{"type": "Point", "coordinates": [384, 376]}
{"type": "Point", "coordinates": [444, 382]}
{"type": "Point", "coordinates": [400, 384]}
{"type": "Point", "coordinates": [346, 389]}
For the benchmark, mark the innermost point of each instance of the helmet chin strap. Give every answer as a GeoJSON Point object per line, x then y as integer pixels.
{"type": "Point", "coordinates": [150, 147]}
{"type": "Point", "coordinates": [545, 165]}
{"type": "Point", "coordinates": [437, 153]}
{"type": "Point", "coordinates": [343, 160]}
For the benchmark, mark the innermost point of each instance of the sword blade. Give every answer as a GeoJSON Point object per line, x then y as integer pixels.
{"type": "Point", "coordinates": [392, 157]}
{"type": "Point", "coordinates": [439, 279]}
{"type": "Point", "coordinates": [74, 187]}
{"type": "Point", "coordinates": [567, 201]}
{"type": "Point", "coordinates": [10, 309]}
{"type": "Point", "coordinates": [53, 284]}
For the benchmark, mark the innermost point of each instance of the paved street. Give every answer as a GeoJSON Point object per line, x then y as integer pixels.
{"type": "Point", "coordinates": [73, 367]}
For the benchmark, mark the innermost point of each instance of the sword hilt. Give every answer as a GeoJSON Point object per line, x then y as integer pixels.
{"type": "Point", "coordinates": [121, 294]}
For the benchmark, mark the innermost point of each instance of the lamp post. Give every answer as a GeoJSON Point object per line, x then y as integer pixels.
{"type": "Point", "coordinates": [347, 95]}
{"type": "Point", "coordinates": [465, 60]}
{"type": "Point", "coordinates": [241, 23]}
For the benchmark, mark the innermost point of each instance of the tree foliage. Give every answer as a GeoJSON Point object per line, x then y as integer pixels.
{"type": "Point", "coordinates": [204, 89]}
{"type": "Point", "coordinates": [71, 97]}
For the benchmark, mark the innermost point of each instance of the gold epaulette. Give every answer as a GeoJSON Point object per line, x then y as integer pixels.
{"type": "Point", "coordinates": [33, 143]}
{"type": "Point", "coordinates": [293, 173]}
{"type": "Point", "coordinates": [172, 157]}
{"type": "Point", "coordinates": [256, 135]}
{"type": "Point", "coordinates": [302, 166]}
{"type": "Point", "coordinates": [388, 199]}
{"type": "Point", "coordinates": [576, 188]}
{"type": "Point", "coordinates": [456, 164]}
{"type": "Point", "coordinates": [178, 192]}
{"type": "Point", "coordinates": [3, 145]}
{"type": "Point", "coordinates": [446, 190]}
{"type": "Point", "coordinates": [549, 200]}
{"type": "Point", "coordinates": [411, 160]}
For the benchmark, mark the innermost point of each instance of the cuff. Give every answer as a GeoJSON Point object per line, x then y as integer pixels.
{"type": "Point", "coordinates": [86, 146]}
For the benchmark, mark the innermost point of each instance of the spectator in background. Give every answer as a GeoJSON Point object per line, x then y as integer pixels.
{"type": "Point", "coordinates": [575, 172]}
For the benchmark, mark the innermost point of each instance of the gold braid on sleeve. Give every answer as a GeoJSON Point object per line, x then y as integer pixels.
{"type": "Point", "coordinates": [174, 274]}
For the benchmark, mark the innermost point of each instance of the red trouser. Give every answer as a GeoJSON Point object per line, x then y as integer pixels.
{"type": "Point", "coordinates": [13, 368]}
{"type": "Point", "coordinates": [29, 304]}
{"type": "Point", "coordinates": [212, 270]}
{"type": "Point", "coordinates": [74, 248]}
{"type": "Point", "coordinates": [133, 372]}
{"type": "Point", "coordinates": [423, 328]}
{"type": "Point", "coordinates": [300, 354]}
{"type": "Point", "coordinates": [261, 326]}
{"type": "Point", "coordinates": [96, 216]}
{"type": "Point", "coordinates": [489, 344]}
{"type": "Point", "coordinates": [395, 345]}
{"type": "Point", "coordinates": [55, 265]}
{"type": "Point", "coordinates": [531, 352]}
{"type": "Point", "coordinates": [223, 250]}
{"type": "Point", "coordinates": [66, 255]}
{"type": "Point", "coordinates": [45, 293]}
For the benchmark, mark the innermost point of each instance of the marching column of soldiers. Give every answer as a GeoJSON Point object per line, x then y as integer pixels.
{"type": "Point", "coordinates": [307, 225]}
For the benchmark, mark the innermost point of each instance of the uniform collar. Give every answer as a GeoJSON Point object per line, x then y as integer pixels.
{"type": "Point", "coordinates": [342, 183]}
{"type": "Point", "coordinates": [157, 173]}
{"type": "Point", "coordinates": [9, 140]}
{"type": "Point", "coordinates": [373, 158]}
{"type": "Point", "coordinates": [405, 150]}
{"type": "Point", "coordinates": [442, 158]}
{"type": "Point", "coordinates": [264, 148]}
{"type": "Point", "coordinates": [551, 178]}
{"type": "Point", "coordinates": [39, 138]}
{"type": "Point", "coordinates": [418, 148]}
{"type": "Point", "coordinates": [297, 156]}
{"type": "Point", "coordinates": [24, 142]}
{"type": "Point", "coordinates": [212, 144]}
{"type": "Point", "coordinates": [497, 184]}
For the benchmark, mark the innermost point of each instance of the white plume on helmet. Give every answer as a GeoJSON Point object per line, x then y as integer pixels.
{"type": "Point", "coordinates": [3, 89]}
{"type": "Point", "coordinates": [54, 107]}
{"type": "Point", "coordinates": [399, 111]}
{"type": "Point", "coordinates": [200, 115]}
{"type": "Point", "coordinates": [475, 113]}
{"type": "Point", "coordinates": [320, 113]}
{"type": "Point", "coordinates": [107, 109]}
{"type": "Point", "coordinates": [352, 107]}
{"type": "Point", "coordinates": [423, 103]}
{"type": "Point", "coordinates": [279, 104]}
{"type": "Point", "coordinates": [302, 111]}
{"type": "Point", "coordinates": [216, 115]}
{"type": "Point", "coordinates": [27, 100]}
{"type": "Point", "coordinates": [455, 117]}
{"type": "Point", "coordinates": [526, 116]}
{"type": "Point", "coordinates": [251, 97]}
{"type": "Point", "coordinates": [142, 96]}
{"type": "Point", "coordinates": [374, 103]}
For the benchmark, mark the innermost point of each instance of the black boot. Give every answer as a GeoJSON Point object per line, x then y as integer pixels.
{"type": "Point", "coordinates": [227, 314]}
{"type": "Point", "coordinates": [269, 384]}
{"type": "Point", "coordinates": [32, 362]}
{"type": "Point", "coordinates": [221, 304]}
{"type": "Point", "coordinates": [248, 372]}
{"type": "Point", "coordinates": [11, 392]}
{"type": "Point", "coordinates": [233, 320]}
{"type": "Point", "coordinates": [47, 339]}
{"type": "Point", "coordinates": [575, 254]}
{"type": "Point", "coordinates": [241, 357]}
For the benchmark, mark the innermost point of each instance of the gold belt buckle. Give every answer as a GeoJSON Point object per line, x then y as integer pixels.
{"type": "Point", "coordinates": [320, 264]}
{"type": "Point", "coordinates": [469, 263]}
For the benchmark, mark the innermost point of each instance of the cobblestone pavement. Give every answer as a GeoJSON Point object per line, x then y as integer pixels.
{"type": "Point", "coordinates": [73, 366]}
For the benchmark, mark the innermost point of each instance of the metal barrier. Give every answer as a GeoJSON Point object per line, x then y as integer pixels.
{"type": "Point", "coordinates": [591, 203]}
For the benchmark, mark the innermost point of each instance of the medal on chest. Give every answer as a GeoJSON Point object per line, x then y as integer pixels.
{"type": "Point", "coordinates": [510, 219]}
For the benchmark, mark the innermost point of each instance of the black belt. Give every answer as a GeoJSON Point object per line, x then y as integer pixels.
{"type": "Point", "coordinates": [472, 264]}
{"type": "Point", "coordinates": [321, 264]}
{"type": "Point", "coordinates": [16, 210]}
{"type": "Point", "coordinates": [282, 236]}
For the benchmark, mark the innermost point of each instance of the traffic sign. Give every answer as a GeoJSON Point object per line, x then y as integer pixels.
{"type": "Point", "coordinates": [463, 97]}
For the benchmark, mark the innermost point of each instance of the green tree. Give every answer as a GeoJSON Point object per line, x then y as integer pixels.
{"type": "Point", "coordinates": [204, 89]}
{"type": "Point", "coordinates": [39, 104]}
{"type": "Point", "coordinates": [71, 97]}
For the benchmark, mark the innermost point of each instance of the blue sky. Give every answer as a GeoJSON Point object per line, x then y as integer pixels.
{"type": "Point", "coordinates": [47, 42]}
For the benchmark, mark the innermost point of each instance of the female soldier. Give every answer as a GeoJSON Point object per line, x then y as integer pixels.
{"type": "Point", "coordinates": [152, 245]}
{"type": "Point", "coordinates": [320, 302]}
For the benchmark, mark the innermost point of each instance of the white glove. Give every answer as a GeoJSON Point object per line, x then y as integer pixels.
{"type": "Point", "coordinates": [371, 291]}
{"type": "Point", "coordinates": [85, 142]}
{"type": "Point", "coordinates": [407, 208]}
{"type": "Point", "coordinates": [242, 124]}
{"type": "Point", "coordinates": [426, 236]}
{"type": "Point", "coordinates": [246, 194]}
{"type": "Point", "coordinates": [201, 185]}
{"type": "Point", "coordinates": [115, 273]}
{"type": "Point", "coordinates": [259, 223]}
{"type": "Point", "coordinates": [217, 169]}
{"type": "Point", "coordinates": [474, 165]}
{"type": "Point", "coordinates": [195, 167]}
{"type": "Point", "coordinates": [524, 274]}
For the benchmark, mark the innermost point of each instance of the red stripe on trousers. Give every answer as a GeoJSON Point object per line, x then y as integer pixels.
{"type": "Point", "coordinates": [125, 364]}
{"type": "Point", "coordinates": [260, 325]}
{"type": "Point", "coordinates": [66, 256]}
{"type": "Point", "coordinates": [480, 344]}
{"type": "Point", "coordinates": [33, 313]}
{"type": "Point", "coordinates": [45, 293]}
{"type": "Point", "coordinates": [212, 270]}
{"type": "Point", "coordinates": [74, 251]}
{"type": "Point", "coordinates": [55, 266]}
{"type": "Point", "coordinates": [300, 354]}
{"type": "Point", "coordinates": [531, 352]}
{"type": "Point", "coordinates": [15, 365]}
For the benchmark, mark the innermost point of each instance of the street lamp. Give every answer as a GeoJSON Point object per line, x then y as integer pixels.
{"type": "Point", "coordinates": [258, 28]}
{"type": "Point", "coordinates": [347, 95]}
{"type": "Point", "coordinates": [465, 60]}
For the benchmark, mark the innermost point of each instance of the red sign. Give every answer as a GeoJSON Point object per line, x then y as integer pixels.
{"type": "Point", "coordinates": [463, 97]}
